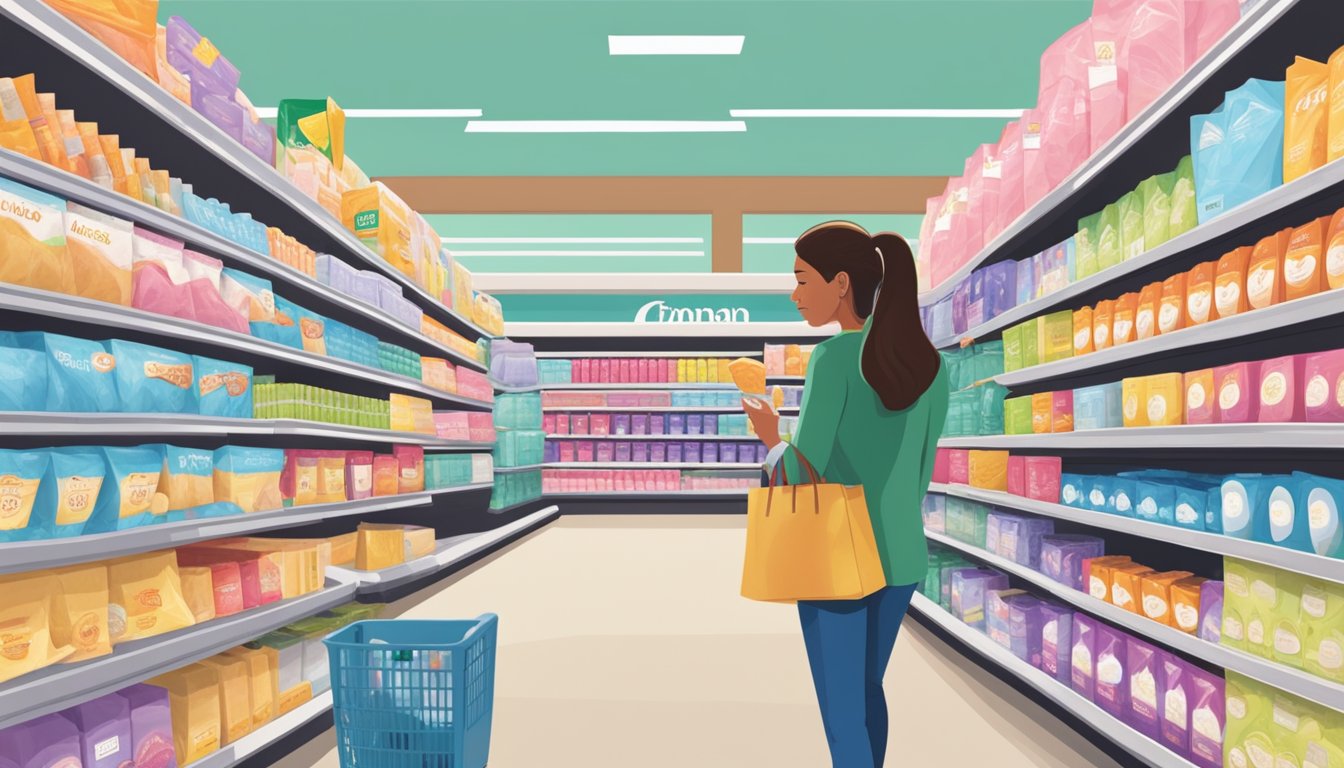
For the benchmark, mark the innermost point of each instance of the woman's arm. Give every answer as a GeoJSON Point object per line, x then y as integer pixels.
{"type": "Point", "coordinates": [819, 415]}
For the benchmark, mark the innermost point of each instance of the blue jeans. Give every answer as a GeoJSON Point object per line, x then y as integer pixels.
{"type": "Point", "coordinates": [849, 643]}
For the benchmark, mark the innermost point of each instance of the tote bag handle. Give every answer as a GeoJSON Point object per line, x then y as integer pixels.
{"type": "Point", "coordinates": [779, 472]}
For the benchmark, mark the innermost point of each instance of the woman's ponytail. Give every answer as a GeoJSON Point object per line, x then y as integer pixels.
{"type": "Point", "coordinates": [898, 360]}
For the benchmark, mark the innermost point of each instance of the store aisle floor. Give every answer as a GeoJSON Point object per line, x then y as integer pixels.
{"type": "Point", "coordinates": [624, 643]}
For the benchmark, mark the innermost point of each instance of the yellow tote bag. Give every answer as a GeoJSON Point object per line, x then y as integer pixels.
{"type": "Point", "coordinates": [809, 542]}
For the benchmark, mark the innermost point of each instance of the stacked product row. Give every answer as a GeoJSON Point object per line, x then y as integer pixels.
{"type": "Point", "coordinates": [636, 370]}
{"type": "Point", "coordinates": [618, 424]}
{"type": "Point", "coordinates": [636, 480]}
{"type": "Point", "coordinates": [188, 713]}
{"type": "Point", "coordinates": [642, 399]}
{"type": "Point", "coordinates": [654, 451]}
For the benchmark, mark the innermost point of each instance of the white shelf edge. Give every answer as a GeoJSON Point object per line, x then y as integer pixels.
{"type": "Point", "coordinates": [1241, 34]}
{"type": "Point", "coordinates": [1298, 311]}
{"type": "Point", "coordinates": [1284, 678]}
{"type": "Point", "coordinates": [1120, 734]}
{"type": "Point", "coordinates": [523, 468]}
{"type": "Point", "coordinates": [1305, 563]}
{"type": "Point", "coordinates": [733, 467]}
{"type": "Point", "coordinates": [668, 438]}
{"type": "Point", "coordinates": [268, 734]}
{"type": "Point", "coordinates": [1252, 435]}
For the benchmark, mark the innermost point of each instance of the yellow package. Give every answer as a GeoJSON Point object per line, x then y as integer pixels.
{"type": "Point", "coordinates": [725, 370]}
{"type": "Point", "coordinates": [99, 168]}
{"type": "Point", "coordinates": [1134, 394]}
{"type": "Point", "coordinates": [793, 360]}
{"type": "Point", "coordinates": [681, 370]}
{"type": "Point", "coordinates": [989, 470]}
{"type": "Point", "coordinates": [420, 542]}
{"type": "Point", "coordinates": [79, 611]}
{"type": "Point", "coordinates": [343, 548]}
{"type": "Point", "coordinates": [411, 414]}
{"type": "Point", "coordinates": [1305, 119]}
{"type": "Point", "coordinates": [748, 375]}
{"type": "Point", "coordinates": [1185, 604]}
{"type": "Point", "coordinates": [146, 597]}
{"type": "Point", "coordinates": [193, 697]}
{"type": "Point", "coordinates": [259, 683]}
{"type": "Point", "coordinates": [25, 629]}
{"type": "Point", "coordinates": [379, 547]}
{"type": "Point", "coordinates": [100, 248]}
{"type": "Point", "coordinates": [487, 313]}
{"type": "Point", "coordinates": [32, 239]}
{"type": "Point", "coordinates": [1042, 412]}
{"type": "Point", "coordinates": [462, 289]}
{"type": "Point", "coordinates": [1082, 331]}
{"type": "Point", "coordinates": [125, 26]}
{"type": "Point", "coordinates": [1199, 396]}
{"type": "Point", "coordinates": [383, 222]}
{"type": "Point", "coordinates": [1335, 120]}
{"type": "Point", "coordinates": [1165, 399]}
{"type": "Point", "coordinates": [295, 563]}
{"type": "Point", "coordinates": [285, 655]}
{"type": "Point", "coordinates": [111, 146]}
{"type": "Point", "coordinates": [50, 143]}
{"type": "Point", "coordinates": [249, 477]}
{"type": "Point", "coordinates": [235, 696]}
{"type": "Point", "coordinates": [198, 589]}
{"type": "Point", "coordinates": [17, 136]}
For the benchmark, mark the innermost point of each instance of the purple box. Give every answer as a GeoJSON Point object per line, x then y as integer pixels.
{"type": "Point", "coordinates": [728, 453]}
{"type": "Point", "coordinates": [1062, 557]}
{"type": "Point", "coordinates": [623, 452]}
{"type": "Point", "coordinates": [961, 298]}
{"type": "Point", "coordinates": [620, 424]}
{"type": "Point", "coordinates": [694, 422]}
{"type": "Point", "coordinates": [709, 452]}
{"type": "Point", "coordinates": [1112, 675]}
{"type": "Point", "coordinates": [1025, 616]}
{"type": "Point", "coordinates": [1211, 611]}
{"type": "Point", "coordinates": [1147, 676]}
{"type": "Point", "coordinates": [605, 451]}
{"type": "Point", "coordinates": [1056, 640]}
{"type": "Point", "coordinates": [1176, 692]}
{"type": "Point", "coordinates": [676, 423]}
{"type": "Point", "coordinates": [551, 452]}
{"type": "Point", "coordinates": [1082, 661]}
{"type": "Point", "coordinates": [761, 453]}
{"type": "Point", "coordinates": [639, 424]}
{"type": "Point", "coordinates": [969, 589]}
{"type": "Point", "coordinates": [151, 725]}
{"type": "Point", "coordinates": [674, 453]}
{"type": "Point", "coordinates": [657, 424]}
{"type": "Point", "coordinates": [1208, 703]}
{"type": "Point", "coordinates": [105, 731]}
{"type": "Point", "coordinates": [50, 740]}
{"type": "Point", "coordinates": [975, 302]}
{"type": "Point", "coordinates": [639, 452]}
{"type": "Point", "coordinates": [1020, 538]}
{"type": "Point", "coordinates": [710, 425]}
{"type": "Point", "coordinates": [1000, 288]}
{"type": "Point", "coordinates": [657, 452]}
{"type": "Point", "coordinates": [691, 452]}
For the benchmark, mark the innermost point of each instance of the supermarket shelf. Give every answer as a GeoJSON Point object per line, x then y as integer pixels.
{"type": "Point", "coordinates": [786, 379]}
{"type": "Point", "coordinates": [632, 387]}
{"type": "Point", "coordinates": [449, 552]}
{"type": "Point", "coordinates": [1273, 202]}
{"type": "Point", "coordinates": [695, 495]}
{"type": "Point", "coordinates": [1304, 436]}
{"type": "Point", "coordinates": [176, 424]}
{"type": "Point", "coordinates": [1284, 678]}
{"type": "Point", "coordinates": [507, 390]}
{"type": "Point", "coordinates": [669, 438]}
{"type": "Point", "coordinates": [647, 352]}
{"type": "Point", "coordinates": [1279, 557]}
{"type": "Point", "coordinates": [738, 466]}
{"type": "Point", "coordinates": [1277, 317]}
{"type": "Point", "coordinates": [82, 49]}
{"type": "Point", "coordinates": [1171, 106]}
{"type": "Point", "coordinates": [1141, 747]}
{"type": "Point", "coordinates": [102, 314]}
{"type": "Point", "coordinates": [51, 553]}
{"type": "Point", "coordinates": [56, 688]}
{"type": "Point", "coordinates": [351, 310]}
{"type": "Point", "coordinates": [268, 734]}
{"type": "Point", "coordinates": [524, 468]}
{"type": "Point", "coordinates": [797, 329]}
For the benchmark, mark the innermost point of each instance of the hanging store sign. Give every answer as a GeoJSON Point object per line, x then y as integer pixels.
{"type": "Point", "coordinates": [659, 312]}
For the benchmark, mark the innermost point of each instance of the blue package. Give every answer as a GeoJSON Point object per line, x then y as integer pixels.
{"type": "Point", "coordinates": [1099, 407]}
{"type": "Point", "coordinates": [1122, 496]}
{"type": "Point", "coordinates": [1321, 498]}
{"type": "Point", "coordinates": [1213, 510]}
{"type": "Point", "coordinates": [1157, 501]}
{"type": "Point", "coordinates": [1244, 501]}
{"type": "Point", "coordinates": [129, 486]}
{"type": "Point", "coordinates": [1286, 517]}
{"type": "Point", "coordinates": [1000, 288]}
{"type": "Point", "coordinates": [940, 320]}
{"type": "Point", "coordinates": [1025, 278]}
{"type": "Point", "coordinates": [286, 329]}
{"type": "Point", "coordinates": [223, 388]}
{"type": "Point", "coordinates": [1238, 148]}
{"type": "Point", "coordinates": [153, 380]}
{"type": "Point", "coordinates": [23, 379]}
{"type": "Point", "coordinates": [21, 475]}
{"type": "Point", "coordinates": [70, 490]}
{"type": "Point", "coordinates": [1098, 493]}
{"type": "Point", "coordinates": [1191, 503]}
{"type": "Point", "coordinates": [1073, 490]}
{"type": "Point", "coordinates": [81, 374]}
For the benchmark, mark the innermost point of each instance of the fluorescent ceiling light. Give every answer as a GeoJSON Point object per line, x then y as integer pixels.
{"type": "Point", "coordinates": [606, 126]}
{"type": "Point", "coordinates": [769, 240]}
{"type": "Point", "coordinates": [664, 254]}
{"type": "Point", "coordinates": [390, 113]}
{"type": "Point", "coordinates": [675, 45]}
{"type": "Point", "coordinates": [902, 113]}
{"type": "Point", "coordinates": [571, 240]}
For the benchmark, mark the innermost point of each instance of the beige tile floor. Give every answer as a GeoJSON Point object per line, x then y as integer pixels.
{"type": "Point", "coordinates": [624, 644]}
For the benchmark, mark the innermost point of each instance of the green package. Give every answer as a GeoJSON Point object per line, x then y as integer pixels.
{"type": "Point", "coordinates": [1132, 242]}
{"type": "Point", "coordinates": [1236, 603]}
{"type": "Point", "coordinates": [1286, 627]}
{"type": "Point", "coordinates": [1012, 348]}
{"type": "Point", "coordinates": [1156, 194]}
{"type": "Point", "coordinates": [1017, 415]}
{"type": "Point", "coordinates": [1322, 624]}
{"type": "Point", "coordinates": [1110, 251]}
{"type": "Point", "coordinates": [1085, 246]}
{"type": "Point", "coordinates": [1030, 331]}
{"type": "Point", "coordinates": [1057, 333]}
{"type": "Point", "coordinates": [1250, 721]}
{"type": "Point", "coordinates": [987, 360]}
{"type": "Point", "coordinates": [989, 414]}
{"type": "Point", "coordinates": [1184, 213]}
{"type": "Point", "coordinates": [318, 123]}
{"type": "Point", "coordinates": [1264, 608]}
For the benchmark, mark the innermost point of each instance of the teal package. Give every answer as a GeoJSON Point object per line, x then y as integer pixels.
{"type": "Point", "coordinates": [223, 388]}
{"type": "Point", "coordinates": [152, 379]}
{"type": "Point", "coordinates": [1191, 506]}
{"type": "Point", "coordinates": [1073, 490]}
{"type": "Point", "coordinates": [21, 475]}
{"type": "Point", "coordinates": [187, 478]}
{"type": "Point", "coordinates": [23, 378]}
{"type": "Point", "coordinates": [286, 329]}
{"type": "Point", "coordinates": [1213, 510]}
{"type": "Point", "coordinates": [1098, 493]}
{"type": "Point", "coordinates": [1122, 497]}
{"type": "Point", "coordinates": [81, 374]}
{"type": "Point", "coordinates": [1157, 501]}
{"type": "Point", "coordinates": [1243, 511]}
{"type": "Point", "coordinates": [130, 486]}
{"type": "Point", "coordinates": [1320, 499]}
{"type": "Point", "coordinates": [1098, 407]}
{"type": "Point", "coordinates": [70, 489]}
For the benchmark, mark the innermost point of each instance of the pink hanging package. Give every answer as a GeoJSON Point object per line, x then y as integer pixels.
{"type": "Point", "coordinates": [973, 173]}
{"type": "Point", "coordinates": [1034, 182]}
{"type": "Point", "coordinates": [1064, 130]}
{"type": "Point", "coordinates": [991, 174]}
{"type": "Point", "coordinates": [1206, 21]}
{"type": "Point", "coordinates": [1153, 54]}
{"type": "Point", "coordinates": [158, 277]}
{"type": "Point", "coordinates": [1105, 75]}
{"type": "Point", "coordinates": [206, 303]}
{"type": "Point", "coordinates": [1012, 201]}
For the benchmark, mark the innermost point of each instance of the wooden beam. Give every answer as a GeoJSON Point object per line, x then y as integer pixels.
{"type": "Point", "coordinates": [671, 194]}
{"type": "Point", "coordinates": [725, 241]}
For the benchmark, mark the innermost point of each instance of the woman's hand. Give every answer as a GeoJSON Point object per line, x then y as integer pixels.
{"type": "Point", "coordinates": [764, 420]}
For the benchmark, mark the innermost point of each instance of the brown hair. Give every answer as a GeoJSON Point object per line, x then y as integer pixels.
{"type": "Point", "coordinates": [898, 360]}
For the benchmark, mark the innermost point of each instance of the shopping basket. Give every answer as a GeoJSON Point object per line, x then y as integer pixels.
{"type": "Point", "coordinates": [414, 694]}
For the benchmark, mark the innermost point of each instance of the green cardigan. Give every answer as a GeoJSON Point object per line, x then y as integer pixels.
{"type": "Point", "coordinates": [851, 438]}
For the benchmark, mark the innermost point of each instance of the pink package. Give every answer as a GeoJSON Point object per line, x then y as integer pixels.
{"type": "Point", "coordinates": [583, 450]}
{"type": "Point", "coordinates": [1017, 475]}
{"type": "Point", "coordinates": [627, 375]}
{"type": "Point", "coordinates": [973, 172]}
{"type": "Point", "coordinates": [452, 425]}
{"type": "Point", "coordinates": [924, 265]}
{"type": "Point", "coordinates": [1083, 665]}
{"type": "Point", "coordinates": [991, 175]}
{"type": "Point", "coordinates": [605, 451]}
{"type": "Point", "coordinates": [1206, 21]}
{"type": "Point", "coordinates": [578, 424]}
{"type": "Point", "coordinates": [1034, 183]}
{"type": "Point", "coordinates": [1153, 53]}
{"type": "Point", "coordinates": [941, 459]}
{"type": "Point", "coordinates": [50, 740]}
{"type": "Point", "coordinates": [1012, 200]}
{"type": "Point", "coordinates": [1175, 702]}
{"type": "Point", "coordinates": [1106, 85]}
{"type": "Point", "coordinates": [481, 427]}
{"type": "Point", "coordinates": [1282, 381]}
{"type": "Point", "coordinates": [1064, 130]}
{"type": "Point", "coordinates": [1208, 702]}
{"type": "Point", "coordinates": [566, 451]}
{"type": "Point", "coordinates": [206, 303]}
{"type": "Point", "coordinates": [561, 423]}
{"type": "Point", "coordinates": [1236, 387]}
{"type": "Point", "coordinates": [1061, 410]}
{"type": "Point", "coordinates": [599, 424]}
{"type": "Point", "coordinates": [1146, 667]}
{"type": "Point", "coordinates": [604, 371]}
{"type": "Point", "coordinates": [1323, 394]}
{"type": "Point", "coordinates": [158, 277]}
{"type": "Point", "coordinates": [358, 475]}
{"type": "Point", "coordinates": [959, 466]}
{"type": "Point", "coordinates": [104, 727]}
{"type": "Point", "coordinates": [151, 725]}
{"type": "Point", "coordinates": [474, 384]}
{"type": "Point", "coordinates": [548, 423]}
{"type": "Point", "coordinates": [1043, 478]}
{"type": "Point", "coordinates": [1112, 676]}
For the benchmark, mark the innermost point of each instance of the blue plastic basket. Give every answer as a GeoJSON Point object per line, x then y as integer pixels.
{"type": "Point", "coordinates": [414, 694]}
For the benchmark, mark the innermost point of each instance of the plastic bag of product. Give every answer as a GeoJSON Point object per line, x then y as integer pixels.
{"type": "Point", "coordinates": [206, 301]}
{"type": "Point", "coordinates": [23, 379]}
{"type": "Point", "coordinates": [385, 475]}
{"type": "Point", "coordinates": [1105, 77]}
{"type": "Point", "coordinates": [1068, 57]}
{"type": "Point", "coordinates": [187, 479]}
{"type": "Point", "coordinates": [1206, 21]}
{"type": "Point", "coordinates": [116, 166]}
{"type": "Point", "coordinates": [17, 136]}
{"type": "Point", "coordinates": [80, 373]}
{"type": "Point", "coordinates": [1335, 106]}
{"type": "Point", "coordinates": [312, 327]}
{"type": "Point", "coordinates": [21, 474]}
{"type": "Point", "coordinates": [1155, 193]}
{"type": "Point", "coordinates": [248, 295]}
{"type": "Point", "coordinates": [286, 329]}
{"type": "Point", "coordinates": [1184, 207]}
{"type": "Point", "coordinates": [199, 60]}
{"type": "Point", "coordinates": [1064, 130]}
{"type": "Point", "coordinates": [1110, 248]}
{"type": "Point", "coordinates": [1306, 112]}
{"type": "Point", "coordinates": [99, 169]}
{"type": "Point", "coordinates": [1153, 52]}
{"type": "Point", "coordinates": [410, 468]}
{"type": "Point", "coordinates": [316, 123]}
{"type": "Point", "coordinates": [249, 477]}
{"type": "Point", "coordinates": [70, 489]}
{"type": "Point", "coordinates": [128, 27]}
{"type": "Point", "coordinates": [223, 388]}
{"type": "Point", "coordinates": [1238, 149]}
{"type": "Point", "coordinates": [130, 493]}
{"type": "Point", "coordinates": [146, 597]}
{"type": "Point", "coordinates": [101, 253]}
{"type": "Point", "coordinates": [169, 78]}
{"type": "Point", "coordinates": [79, 615]}
{"type": "Point", "coordinates": [47, 103]}
{"type": "Point", "coordinates": [78, 160]}
{"type": "Point", "coordinates": [158, 277]}
{"type": "Point", "coordinates": [25, 613]}
{"type": "Point", "coordinates": [258, 137]}
{"type": "Point", "coordinates": [1133, 242]}
{"type": "Point", "coordinates": [32, 239]}
{"type": "Point", "coordinates": [1334, 253]}
{"type": "Point", "coordinates": [18, 95]}
{"type": "Point", "coordinates": [153, 380]}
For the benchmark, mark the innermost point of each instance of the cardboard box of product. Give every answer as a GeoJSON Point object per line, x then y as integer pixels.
{"type": "Point", "coordinates": [193, 698]}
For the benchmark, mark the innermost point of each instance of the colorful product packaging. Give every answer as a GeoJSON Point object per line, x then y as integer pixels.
{"type": "Point", "coordinates": [1304, 260]}
{"type": "Point", "coordinates": [153, 380]}
{"type": "Point", "coordinates": [100, 249]}
{"type": "Point", "coordinates": [193, 697]}
{"type": "Point", "coordinates": [1264, 271]}
{"type": "Point", "coordinates": [249, 477]}
{"type": "Point", "coordinates": [151, 725]}
{"type": "Point", "coordinates": [1230, 291]}
{"type": "Point", "coordinates": [68, 493]}
{"type": "Point", "coordinates": [1236, 387]}
{"type": "Point", "coordinates": [146, 597]}
{"type": "Point", "coordinates": [222, 388]}
{"type": "Point", "coordinates": [32, 233]}
{"type": "Point", "coordinates": [1146, 314]}
{"type": "Point", "coordinates": [79, 611]}
{"type": "Point", "coordinates": [1171, 306]}
{"type": "Point", "coordinates": [129, 494]}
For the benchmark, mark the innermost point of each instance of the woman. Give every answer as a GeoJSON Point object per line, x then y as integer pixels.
{"type": "Point", "coordinates": [872, 411]}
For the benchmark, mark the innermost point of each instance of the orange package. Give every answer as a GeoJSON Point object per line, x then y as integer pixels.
{"type": "Point", "coordinates": [33, 251]}
{"type": "Point", "coordinates": [1199, 293]}
{"type": "Point", "coordinates": [100, 248]}
{"type": "Point", "coordinates": [74, 145]}
{"type": "Point", "coordinates": [1264, 272]}
{"type": "Point", "coordinates": [1334, 254]}
{"type": "Point", "coordinates": [49, 141]}
{"type": "Point", "coordinates": [1101, 324]}
{"type": "Point", "coordinates": [1185, 603]}
{"type": "Point", "coordinates": [1042, 412]}
{"type": "Point", "coordinates": [46, 102]}
{"type": "Point", "coordinates": [172, 81]}
{"type": "Point", "coordinates": [1145, 317]}
{"type": "Point", "coordinates": [128, 27]}
{"type": "Point", "coordinates": [100, 170]}
{"type": "Point", "coordinates": [1335, 121]}
{"type": "Point", "coordinates": [116, 166]}
{"type": "Point", "coordinates": [17, 136]}
{"type": "Point", "coordinates": [1171, 309]}
{"type": "Point", "coordinates": [1122, 326]}
{"type": "Point", "coordinates": [386, 470]}
{"type": "Point", "coordinates": [1155, 594]}
{"type": "Point", "coordinates": [988, 470]}
{"type": "Point", "coordinates": [1229, 282]}
{"type": "Point", "coordinates": [1126, 585]}
{"type": "Point", "coordinates": [1082, 331]}
{"type": "Point", "coordinates": [1097, 574]}
{"type": "Point", "coordinates": [1303, 260]}
{"type": "Point", "coordinates": [1306, 112]}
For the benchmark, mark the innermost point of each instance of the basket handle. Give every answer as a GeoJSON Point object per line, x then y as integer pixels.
{"type": "Point", "coordinates": [482, 621]}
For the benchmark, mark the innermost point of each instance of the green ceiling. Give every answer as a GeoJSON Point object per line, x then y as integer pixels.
{"type": "Point", "coordinates": [548, 60]}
